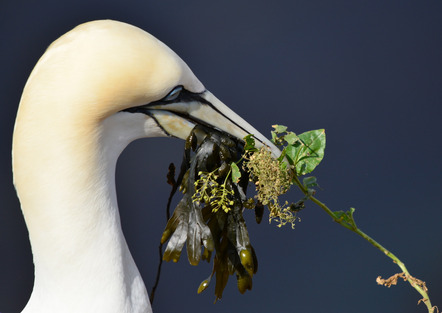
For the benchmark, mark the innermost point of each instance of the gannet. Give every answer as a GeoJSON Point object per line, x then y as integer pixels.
{"type": "Point", "coordinates": [96, 89]}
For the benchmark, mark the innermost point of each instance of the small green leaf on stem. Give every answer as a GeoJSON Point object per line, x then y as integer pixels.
{"type": "Point", "coordinates": [249, 143]}
{"type": "Point", "coordinates": [309, 182]}
{"type": "Point", "coordinates": [346, 217]}
{"type": "Point", "coordinates": [279, 128]}
{"type": "Point", "coordinates": [291, 138]}
{"type": "Point", "coordinates": [236, 173]}
{"type": "Point", "coordinates": [278, 134]}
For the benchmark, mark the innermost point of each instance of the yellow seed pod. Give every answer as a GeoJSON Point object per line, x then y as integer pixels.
{"type": "Point", "coordinates": [165, 236]}
{"type": "Point", "coordinates": [244, 283]}
{"type": "Point", "coordinates": [203, 286]}
{"type": "Point", "coordinates": [207, 253]}
{"type": "Point", "coordinates": [247, 261]}
{"type": "Point", "coordinates": [209, 244]}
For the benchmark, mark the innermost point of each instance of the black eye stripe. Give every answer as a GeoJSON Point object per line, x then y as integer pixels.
{"type": "Point", "coordinates": [177, 94]}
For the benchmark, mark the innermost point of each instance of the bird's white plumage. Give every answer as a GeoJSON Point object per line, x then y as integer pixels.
{"type": "Point", "coordinates": [69, 132]}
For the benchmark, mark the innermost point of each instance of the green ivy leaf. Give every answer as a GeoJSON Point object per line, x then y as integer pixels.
{"type": "Point", "coordinates": [291, 138]}
{"type": "Point", "coordinates": [275, 138]}
{"type": "Point", "coordinates": [340, 214]}
{"type": "Point", "coordinates": [249, 143]}
{"type": "Point", "coordinates": [236, 173]}
{"type": "Point", "coordinates": [290, 152]}
{"type": "Point", "coordinates": [310, 182]}
{"type": "Point", "coordinates": [346, 217]}
{"type": "Point", "coordinates": [279, 128]}
{"type": "Point", "coordinates": [307, 152]}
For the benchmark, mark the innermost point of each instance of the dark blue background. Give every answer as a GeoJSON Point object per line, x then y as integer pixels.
{"type": "Point", "coordinates": [369, 72]}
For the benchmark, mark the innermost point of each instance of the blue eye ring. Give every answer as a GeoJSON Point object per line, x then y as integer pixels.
{"type": "Point", "coordinates": [174, 94]}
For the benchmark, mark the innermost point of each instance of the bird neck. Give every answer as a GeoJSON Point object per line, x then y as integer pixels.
{"type": "Point", "coordinates": [66, 184]}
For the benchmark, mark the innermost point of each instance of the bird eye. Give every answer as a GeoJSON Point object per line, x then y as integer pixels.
{"type": "Point", "coordinates": [174, 94]}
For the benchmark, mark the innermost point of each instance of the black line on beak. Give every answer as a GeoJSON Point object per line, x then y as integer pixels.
{"type": "Point", "coordinates": [183, 97]}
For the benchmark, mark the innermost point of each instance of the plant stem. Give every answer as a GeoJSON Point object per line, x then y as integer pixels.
{"type": "Point", "coordinates": [352, 227]}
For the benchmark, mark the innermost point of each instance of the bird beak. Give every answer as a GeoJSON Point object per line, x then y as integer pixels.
{"type": "Point", "coordinates": [178, 119]}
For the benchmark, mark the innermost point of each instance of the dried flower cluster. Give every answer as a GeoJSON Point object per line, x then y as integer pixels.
{"type": "Point", "coordinates": [272, 179]}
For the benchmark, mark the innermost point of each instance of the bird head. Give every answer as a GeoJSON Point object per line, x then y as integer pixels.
{"type": "Point", "coordinates": [112, 72]}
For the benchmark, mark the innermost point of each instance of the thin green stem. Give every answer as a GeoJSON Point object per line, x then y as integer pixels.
{"type": "Point", "coordinates": [352, 226]}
